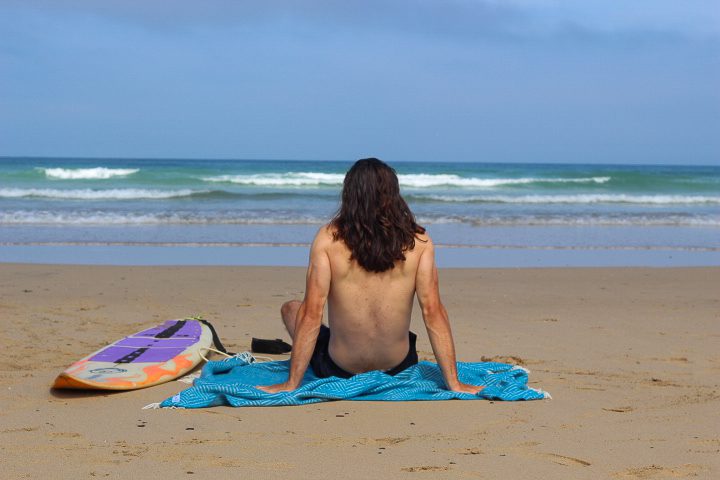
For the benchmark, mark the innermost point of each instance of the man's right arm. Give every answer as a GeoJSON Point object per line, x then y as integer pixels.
{"type": "Point", "coordinates": [436, 320]}
{"type": "Point", "coordinates": [309, 317]}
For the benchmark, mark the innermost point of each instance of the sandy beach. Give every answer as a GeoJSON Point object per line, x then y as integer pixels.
{"type": "Point", "coordinates": [630, 356]}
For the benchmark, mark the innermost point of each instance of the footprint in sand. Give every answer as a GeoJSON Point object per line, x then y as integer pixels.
{"type": "Point", "coordinates": [391, 440]}
{"type": "Point", "coordinates": [709, 445]}
{"type": "Point", "coordinates": [64, 434]}
{"type": "Point", "coordinates": [658, 471]}
{"type": "Point", "coordinates": [424, 355]}
{"type": "Point", "coordinates": [591, 387]}
{"type": "Point", "coordinates": [658, 382]}
{"type": "Point", "coordinates": [619, 409]}
{"type": "Point", "coordinates": [470, 451]}
{"type": "Point", "coordinates": [425, 468]}
{"type": "Point", "coordinates": [20, 429]}
{"type": "Point", "coordinates": [565, 460]}
{"type": "Point", "coordinates": [671, 359]}
{"type": "Point", "coordinates": [510, 359]}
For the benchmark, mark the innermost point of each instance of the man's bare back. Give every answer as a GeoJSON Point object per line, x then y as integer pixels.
{"type": "Point", "coordinates": [369, 313]}
{"type": "Point", "coordinates": [369, 295]}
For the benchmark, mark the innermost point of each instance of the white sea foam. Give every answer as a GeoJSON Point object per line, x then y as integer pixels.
{"type": "Point", "coordinates": [93, 194]}
{"type": "Point", "coordinates": [423, 180]}
{"type": "Point", "coordinates": [576, 199]}
{"type": "Point", "coordinates": [296, 179]}
{"type": "Point", "coordinates": [97, 173]}
{"type": "Point", "coordinates": [575, 220]}
{"type": "Point", "coordinates": [99, 217]}
{"type": "Point", "coordinates": [85, 217]}
{"type": "Point", "coordinates": [420, 180]}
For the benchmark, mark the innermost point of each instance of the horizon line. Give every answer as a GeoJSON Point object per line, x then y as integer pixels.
{"type": "Point", "coordinates": [66, 157]}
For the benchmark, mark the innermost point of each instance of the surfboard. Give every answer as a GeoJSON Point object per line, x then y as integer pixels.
{"type": "Point", "coordinates": [144, 359]}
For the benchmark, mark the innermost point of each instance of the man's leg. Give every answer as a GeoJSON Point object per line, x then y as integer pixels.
{"type": "Point", "coordinates": [289, 312]}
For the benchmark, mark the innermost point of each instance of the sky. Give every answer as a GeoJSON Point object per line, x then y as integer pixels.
{"type": "Point", "coordinates": [592, 81]}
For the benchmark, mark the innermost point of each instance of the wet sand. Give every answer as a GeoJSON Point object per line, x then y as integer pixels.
{"type": "Point", "coordinates": [630, 355]}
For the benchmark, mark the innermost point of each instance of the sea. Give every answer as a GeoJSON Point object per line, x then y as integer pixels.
{"type": "Point", "coordinates": [266, 212]}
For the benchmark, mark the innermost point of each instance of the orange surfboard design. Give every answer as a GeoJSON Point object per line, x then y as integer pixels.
{"type": "Point", "coordinates": [144, 359]}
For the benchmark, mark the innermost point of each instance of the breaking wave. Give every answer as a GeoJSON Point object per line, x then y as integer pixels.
{"type": "Point", "coordinates": [420, 180]}
{"type": "Point", "coordinates": [572, 199]}
{"type": "Point", "coordinates": [98, 217]}
{"type": "Point", "coordinates": [242, 217]}
{"type": "Point", "coordinates": [97, 173]}
{"type": "Point", "coordinates": [93, 194]}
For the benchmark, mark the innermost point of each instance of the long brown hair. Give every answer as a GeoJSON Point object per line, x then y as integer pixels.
{"type": "Point", "coordinates": [373, 220]}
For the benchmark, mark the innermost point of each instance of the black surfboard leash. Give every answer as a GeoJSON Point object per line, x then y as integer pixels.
{"type": "Point", "coordinates": [215, 337]}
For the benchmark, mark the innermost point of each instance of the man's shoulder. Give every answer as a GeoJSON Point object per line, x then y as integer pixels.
{"type": "Point", "coordinates": [325, 236]}
{"type": "Point", "coordinates": [422, 242]}
{"type": "Point", "coordinates": [424, 238]}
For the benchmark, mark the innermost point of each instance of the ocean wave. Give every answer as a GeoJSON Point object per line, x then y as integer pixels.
{"type": "Point", "coordinates": [668, 220]}
{"type": "Point", "coordinates": [298, 179]}
{"type": "Point", "coordinates": [93, 194]}
{"type": "Point", "coordinates": [96, 217]}
{"type": "Point", "coordinates": [419, 180]}
{"type": "Point", "coordinates": [82, 217]}
{"type": "Point", "coordinates": [97, 173]}
{"type": "Point", "coordinates": [571, 199]}
{"type": "Point", "coordinates": [423, 180]}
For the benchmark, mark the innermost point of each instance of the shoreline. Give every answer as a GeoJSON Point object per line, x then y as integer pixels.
{"type": "Point", "coordinates": [628, 354]}
{"type": "Point", "coordinates": [295, 255]}
{"type": "Point", "coordinates": [307, 245]}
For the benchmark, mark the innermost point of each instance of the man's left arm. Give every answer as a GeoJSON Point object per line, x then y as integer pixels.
{"type": "Point", "coordinates": [309, 316]}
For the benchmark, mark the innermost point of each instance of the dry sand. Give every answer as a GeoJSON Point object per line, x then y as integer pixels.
{"type": "Point", "coordinates": [631, 357]}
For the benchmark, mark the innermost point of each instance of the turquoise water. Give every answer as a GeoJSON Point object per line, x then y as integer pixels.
{"type": "Point", "coordinates": [143, 202]}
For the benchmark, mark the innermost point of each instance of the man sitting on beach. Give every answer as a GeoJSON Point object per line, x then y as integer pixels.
{"type": "Point", "coordinates": [368, 263]}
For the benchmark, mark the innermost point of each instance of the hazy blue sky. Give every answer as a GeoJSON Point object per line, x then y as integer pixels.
{"type": "Point", "coordinates": [506, 81]}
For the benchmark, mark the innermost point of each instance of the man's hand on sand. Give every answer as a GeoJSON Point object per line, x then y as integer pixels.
{"type": "Point", "coordinates": [466, 388]}
{"type": "Point", "coordinates": [277, 388]}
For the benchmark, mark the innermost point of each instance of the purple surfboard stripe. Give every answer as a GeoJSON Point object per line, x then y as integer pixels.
{"type": "Point", "coordinates": [158, 349]}
{"type": "Point", "coordinates": [155, 342]}
{"type": "Point", "coordinates": [151, 332]}
{"type": "Point", "coordinates": [191, 329]}
{"type": "Point", "coordinates": [159, 355]}
{"type": "Point", "coordinates": [114, 353]}
{"type": "Point", "coordinates": [111, 353]}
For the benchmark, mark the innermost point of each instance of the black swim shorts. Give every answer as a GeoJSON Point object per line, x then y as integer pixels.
{"type": "Point", "coordinates": [323, 366]}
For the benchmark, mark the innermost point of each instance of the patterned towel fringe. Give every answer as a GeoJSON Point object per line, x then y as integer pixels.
{"type": "Point", "coordinates": [246, 356]}
{"type": "Point", "coordinates": [250, 358]}
{"type": "Point", "coordinates": [518, 367]}
{"type": "Point", "coordinates": [189, 379]}
{"type": "Point", "coordinates": [543, 392]}
{"type": "Point", "coordinates": [264, 359]}
{"type": "Point", "coordinates": [156, 406]}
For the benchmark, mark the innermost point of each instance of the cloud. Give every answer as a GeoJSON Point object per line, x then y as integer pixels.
{"type": "Point", "coordinates": [509, 79]}
{"type": "Point", "coordinates": [467, 20]}
{"type": "Point", "coordinates": [449, 17]}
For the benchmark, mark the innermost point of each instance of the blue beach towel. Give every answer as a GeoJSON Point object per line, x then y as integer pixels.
{"type": "Point", "coordinates": [233, 380]}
